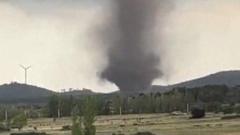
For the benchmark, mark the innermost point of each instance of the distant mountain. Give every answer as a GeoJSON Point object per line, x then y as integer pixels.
{"type": "Point", "coordinates": [24, 94]}
{"type": "Point", "coordinates": [228, 78]}
{"type": "Point", "coordinates": [16, 92]}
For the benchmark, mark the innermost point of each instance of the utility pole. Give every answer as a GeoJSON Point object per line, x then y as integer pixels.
{"type": "Point", "coordinates": [59, 113]}
{"type": "Point", "coordinates": [187, 108]}
{"type": "Point", "coordinates": [25, 71]}
{"type": "Point", "coordinates": [59, 105]}
{"type": "Point", "coordinates": [6, 115]}
{"type": "Point", "coordinates": [6, 122]}
{"type": "Point", "coordinates": [120, 111]}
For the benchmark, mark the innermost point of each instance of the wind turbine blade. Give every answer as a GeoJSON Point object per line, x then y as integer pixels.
{"type": "Point", "coordinates": [22, 66]}
{"type": "Point", "coordinates": [28, 67]}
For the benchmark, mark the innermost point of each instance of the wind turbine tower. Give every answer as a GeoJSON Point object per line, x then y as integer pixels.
{"type": "Point", "coordinates": [25, 68]}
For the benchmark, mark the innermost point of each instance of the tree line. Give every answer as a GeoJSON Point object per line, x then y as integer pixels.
{"type": "Point", "coordinates": [214, 98]}
{"type": "Point", "coordinates": [83, 109]}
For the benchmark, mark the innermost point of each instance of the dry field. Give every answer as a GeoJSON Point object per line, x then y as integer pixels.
{"type": "Point", "coordinates": [160, 124]}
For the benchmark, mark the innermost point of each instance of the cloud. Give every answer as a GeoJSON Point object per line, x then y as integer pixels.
{"type": "Point", "coordinates": [201, 37]}
{"type": "Point", "coordinates": [60, 46]}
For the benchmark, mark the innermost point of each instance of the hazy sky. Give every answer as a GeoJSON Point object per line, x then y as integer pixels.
{"type": "Point", "coordinates": [57, 37]}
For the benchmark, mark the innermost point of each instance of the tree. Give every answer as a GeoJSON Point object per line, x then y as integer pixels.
{"type": "Point", "coordinates": [117, 104]}
{"type": "Point", "coordinates": [107, 108]}
{"type": "Point", "coordinates": [66, 105]}
{"type": "Point", "coordinates": [77, 126]}
{"type": "Point", "coordinates": [89, 114]}
{"type": "Point", "coordinates": [53, 106]}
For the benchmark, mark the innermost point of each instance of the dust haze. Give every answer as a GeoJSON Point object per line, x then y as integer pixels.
{"type": "Point", "coordinates": [57, 38]}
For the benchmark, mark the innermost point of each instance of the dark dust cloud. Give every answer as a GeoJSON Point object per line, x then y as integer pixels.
{"type": "Point", "coordinates": [132, 63]}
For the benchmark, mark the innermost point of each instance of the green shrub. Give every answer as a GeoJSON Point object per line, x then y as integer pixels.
{"type": "Point", "coordinates": [76, 127]}
{"type": "Point", "coordinates": [66, 128]}
{"type": "Point", "coordinates": [117, 134]}
{"type": "Point", "coordinates": [231, 117]}
{"type": "Point", "coordinates": [144, 133]}
{"type": "Point", "coordinates": [227, 109]}
{"type": "Point", "coordinates": [3, 128]}
{"type": "Point", "coordinates": [237, 109]}
{"type": "Point", "coordinates": [19, 121]}
{"type": "Point", "coordinates": [28, 133]}
{"type": "Point", "coordinates": [197, 112]}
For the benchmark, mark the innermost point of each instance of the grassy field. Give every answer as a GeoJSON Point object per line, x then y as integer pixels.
{"type": "Point", "coordinates": [159, 124]}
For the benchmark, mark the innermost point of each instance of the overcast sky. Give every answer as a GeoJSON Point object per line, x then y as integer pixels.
{"type": "Point", "coordinates": [57, 38]}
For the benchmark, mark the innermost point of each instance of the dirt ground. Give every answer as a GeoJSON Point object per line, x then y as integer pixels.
{"type": "Point", "coordinates": [159, 124]}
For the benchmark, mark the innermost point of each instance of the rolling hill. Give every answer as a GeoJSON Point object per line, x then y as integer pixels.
{"type": "Point", "coordinates": [22, 93]}
{"type": "Point", "coordinates": [228, 78]}
{"type": "Point", "coordinates": [16, 92]}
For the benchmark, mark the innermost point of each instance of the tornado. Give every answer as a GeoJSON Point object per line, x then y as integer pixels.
{"type": "Point", "coordinates": [133, 63]}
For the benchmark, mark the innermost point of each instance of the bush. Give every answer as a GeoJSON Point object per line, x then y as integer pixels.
{"type": "Point", "coordinates": [117, 134]}
{"type": "Point", "coordinates": [76, 127]}
{"type": "Point", "coordinates": [19, 121]}
{"type": "Point", "coordinates": [28, 133]}
{"type": "Point", "coordinates": [33, 114]}
{"type": "Point", "coordinates": [144, 133]}
{"type": "Point", "coordinates": [227, 109]}
{"type": "Point", "coordinates": [91, 130]}
{"type": "Point", "coordinates": [66, 128]}
{"type": "Point", "coordinates": [197, 113]}
{"type": "Point", "coordinates": [231, 117]}
{"type": "Point", "coordinates": [237, 109]}
{"type": "Point", "coordinates": [3, 128]}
